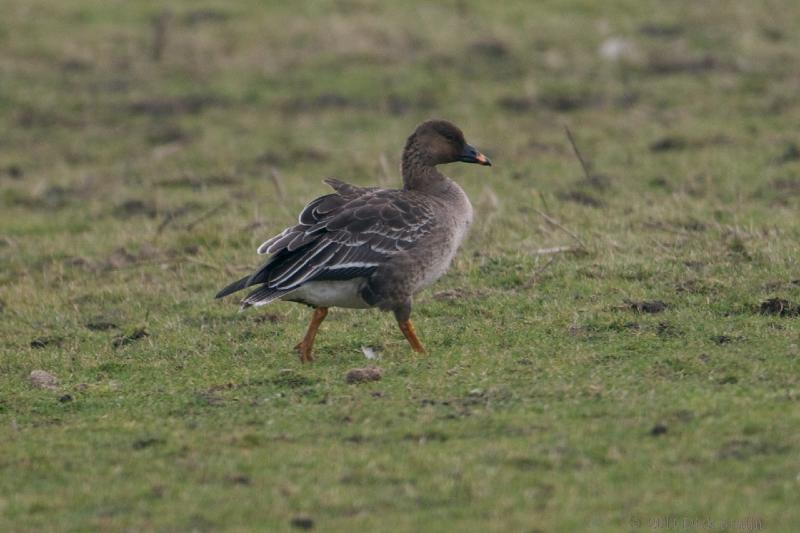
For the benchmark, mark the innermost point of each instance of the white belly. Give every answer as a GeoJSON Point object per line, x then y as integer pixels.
{"type": "Point", "coordinates": [330, 294]}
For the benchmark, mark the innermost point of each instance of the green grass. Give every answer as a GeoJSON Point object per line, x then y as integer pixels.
{"type": "Point", "coordinates": [135, 182]}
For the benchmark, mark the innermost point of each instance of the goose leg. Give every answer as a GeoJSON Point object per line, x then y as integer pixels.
{"type": "Point", "coordinates": [304, 347]}
{"type": "Point", "coordinates": [403, 316]}
{"type": "Point", "coordinates": [411, 336]}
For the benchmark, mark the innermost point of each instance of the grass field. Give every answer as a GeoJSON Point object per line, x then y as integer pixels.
{"type": "Point", "coordinates": [645, 376]}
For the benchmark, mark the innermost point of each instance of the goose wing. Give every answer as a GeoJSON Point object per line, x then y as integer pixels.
{"type": "Point", "coordinates": [343, 235]}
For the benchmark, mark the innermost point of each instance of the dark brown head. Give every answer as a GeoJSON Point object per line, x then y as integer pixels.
{"type": "Point", "coordinates": [436, 142]}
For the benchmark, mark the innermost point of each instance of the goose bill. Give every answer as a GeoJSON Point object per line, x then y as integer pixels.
{"type": "Point", "coordinates": [471, 155]}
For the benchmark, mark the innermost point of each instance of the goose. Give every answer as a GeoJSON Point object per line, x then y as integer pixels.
{"type": "Point", "coordinates": [366, 247]}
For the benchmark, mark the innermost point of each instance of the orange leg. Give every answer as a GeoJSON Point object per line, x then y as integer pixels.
{"type": "Point", "coordinates": [411, 336]}
{"type": "Point", "coordinates": [304, 348]}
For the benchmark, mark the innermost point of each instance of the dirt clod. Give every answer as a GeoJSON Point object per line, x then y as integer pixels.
{"type": "Point", "coordinates": [14, 172]}
{"type": "Point", "coordinates": [140, 444]}
{"type": "Point", "coordinates": [43, 379]}
{"type": "Point", "coordinates": [680, 64]}
{"type": "Point", "coordinates": [651, 306]}
{"type": "Point", "coordinates": [564, 102]}
{"type": "Point", "coordinates": [124, 340]}
{"type": "Point", "coordinates": [791, 152]}
{"type": "Point", "coordinates": [779, 307]}
{"type": "Point", "coordinates": [292, 379]}
{"type": "Point", "coordinates": [722, 339]}
{"type": "Point", "coordinates": [302, 522]}
{"type": "Point", "coordinates": [658, 430]}
{"type": "Point", "coordinates": [582, 198]}
{"type": "Point", "coordinates": [516, 104]}
{"type": "Point", "coordinates": [666, 144]}
{"type": "Point", "coordinates": [599, 182]}
{"type": "Point", "coordinates": [134, 207]}
{"type": "Point", "coordinates": [120, 258]}
{"type": "Point", "coordinates": [43, 342]}
{"type": "Point", "coordinates": [363, 375]}
{"type": "Point", "coordinates": [491, 48]}
{"type": "Point", "coordinates": [100, 325]}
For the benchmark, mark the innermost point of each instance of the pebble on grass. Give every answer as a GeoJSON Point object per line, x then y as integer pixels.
{"type": "Point", "coordinates": [43, 379]}
{"type": "Point", "coordinates": [363, 375]}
